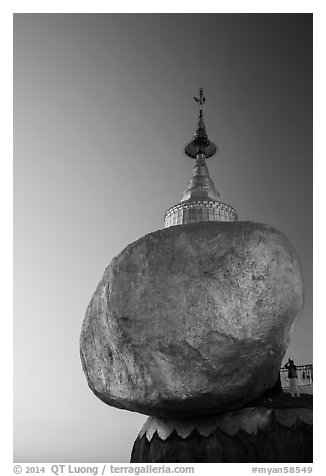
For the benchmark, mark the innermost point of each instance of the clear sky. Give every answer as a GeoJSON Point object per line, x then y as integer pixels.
{"type": "Point", "coordinates": [102, 110]}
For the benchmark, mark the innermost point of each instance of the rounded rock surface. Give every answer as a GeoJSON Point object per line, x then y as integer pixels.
{"type": "Point", "coordinates": [192, 319]}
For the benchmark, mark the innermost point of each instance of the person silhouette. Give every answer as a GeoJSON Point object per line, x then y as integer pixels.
{"type": "Point", "coordinates": [293, 378]}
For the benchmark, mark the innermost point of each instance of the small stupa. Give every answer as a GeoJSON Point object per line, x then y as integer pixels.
{"type": "Point", "coordinates": [200, 201]}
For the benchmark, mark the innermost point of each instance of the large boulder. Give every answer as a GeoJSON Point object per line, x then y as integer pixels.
{"type": "Point", "coordinates": [192, 319]}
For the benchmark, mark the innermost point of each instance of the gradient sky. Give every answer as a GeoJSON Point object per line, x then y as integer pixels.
{"type": "Point", "coordinates": [102, 110]}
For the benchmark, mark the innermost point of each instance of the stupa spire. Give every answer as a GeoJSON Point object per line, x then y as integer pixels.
{"type": "Point", "coordinates": [200, 143]}
{"type": "Point", "coordinates": [200, 201]}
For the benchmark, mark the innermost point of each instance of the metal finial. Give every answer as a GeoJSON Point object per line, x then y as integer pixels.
{"type": "Point", "coordinates": [200, 143]}
{"type": "Point", "coordinates": [201, 98]}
